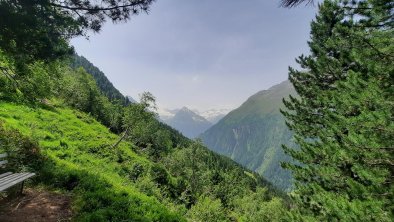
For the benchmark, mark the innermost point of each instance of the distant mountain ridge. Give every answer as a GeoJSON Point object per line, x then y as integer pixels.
{"type": "Point", "coordinates": [189, 123]}
{"type": "Point", "coordinates": [253, 133]}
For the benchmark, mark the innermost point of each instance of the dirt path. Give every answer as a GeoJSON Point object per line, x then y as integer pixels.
{"type": "Point", "coordinates": [36, 206]}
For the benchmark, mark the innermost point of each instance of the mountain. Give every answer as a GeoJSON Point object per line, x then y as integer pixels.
{"type": "Point", "coordinates": [253, 133]}
{"type": "Point", "coordinates": [105, 86]}
{"type": "Point", "coordinates": [166, 114]}
{"type": "Point", "coordinates": [131, 99]}
{"type": "Point", "coordinates": [187, 122]}
{"type": "Point", "coordinates": [213, 115]}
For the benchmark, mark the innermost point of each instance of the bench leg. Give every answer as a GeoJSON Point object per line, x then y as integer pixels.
{"type": "Point", "coordinates": [21, 190]}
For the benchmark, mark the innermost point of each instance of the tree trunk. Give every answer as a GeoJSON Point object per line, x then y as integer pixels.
{"type": "Point", "coordinates": [121, 138]}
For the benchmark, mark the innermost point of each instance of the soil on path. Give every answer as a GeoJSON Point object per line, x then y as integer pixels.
{"type": "Point", "coordinates": [36, 206]}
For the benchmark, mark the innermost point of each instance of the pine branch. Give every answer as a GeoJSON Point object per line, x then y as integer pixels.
{"type": "Point", "coordinates": [95, 8]}
{"type": "Point", "coordinates": [357, 8]}
{"type": "Point", "coordinates": [293, 3]}
{"type": "Point", "coordinates": [381, 163]}
{"type": "Point", "coordinates": [381, 54]}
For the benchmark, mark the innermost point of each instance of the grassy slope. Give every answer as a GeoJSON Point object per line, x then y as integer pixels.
{"type": "Point", "coordinates": [78, 157]}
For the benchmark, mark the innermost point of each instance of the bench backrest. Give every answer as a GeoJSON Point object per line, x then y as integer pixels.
{"type": "Point", "coordinates": [3, 161]}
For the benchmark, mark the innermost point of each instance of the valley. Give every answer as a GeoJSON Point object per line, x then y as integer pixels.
{"type": "Point", "coordinates": [252, 135]}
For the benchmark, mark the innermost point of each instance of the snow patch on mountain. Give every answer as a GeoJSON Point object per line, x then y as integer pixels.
{"type": "Point", "coordinates": [166, 114]}
{"type": "Point", "coordinates": [214, 115]}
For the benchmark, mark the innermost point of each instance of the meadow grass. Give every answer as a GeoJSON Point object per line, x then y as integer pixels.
{"type": "Point", "coordinates": [77, 156]}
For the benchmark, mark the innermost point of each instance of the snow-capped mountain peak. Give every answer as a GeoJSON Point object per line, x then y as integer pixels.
{"type": "Point", "coordinates": [214, 115]}
{"type": "Point", "coordinates": [166, 114]}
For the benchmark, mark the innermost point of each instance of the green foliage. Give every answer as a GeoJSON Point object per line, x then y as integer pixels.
{"type": "Point", "coordinates": [141, 126]}
{"type": "Point", "coordinates": [23, 154]}
{"type": "Point", "coordinates": [79, 90]}
{"type": "Point", "coordinates": [35, 84]}
{"type": "Point", "coordinates": [39, 30]}
{"type": "Point", "coordinates": [202, 173]}
{"type": "Point", "coordinates": [343, 118]}
{"type": "Point", "coordinates": [259, 206]}
{"type": "Point", "coordinates": [32, 31]}
{"type": "Point", "coordinates": [86, 166]}
{"type": "Point", "coordinates": [139, 112]}
{"type": "Point", "coordinates": [207, 209]}
{"type": "Point", "coordinates": [106, 87]}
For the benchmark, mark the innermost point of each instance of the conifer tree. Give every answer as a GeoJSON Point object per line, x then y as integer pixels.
{"type": "Point", "coordinates": [343, 117]}
{"type": "Point", "coordinates": [33, 30]}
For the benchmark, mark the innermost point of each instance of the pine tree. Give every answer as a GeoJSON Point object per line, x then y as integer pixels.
{"type": "Point", "coordinates": [32, 30]}
{"type": "Point", "coordinates": [343, 117]}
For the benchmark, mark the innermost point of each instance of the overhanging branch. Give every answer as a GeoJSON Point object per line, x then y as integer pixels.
{"type": "Point", "coordinates": [96, 8]}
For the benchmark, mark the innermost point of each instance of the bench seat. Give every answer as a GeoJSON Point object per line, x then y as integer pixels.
{"type": "Point", "coordinates": [10, 179]}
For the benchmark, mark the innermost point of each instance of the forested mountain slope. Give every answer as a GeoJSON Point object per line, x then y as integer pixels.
{"type": "Point", "coordinates": [106, 87]}
{"type": "Point", "coordinates": [253, 133]}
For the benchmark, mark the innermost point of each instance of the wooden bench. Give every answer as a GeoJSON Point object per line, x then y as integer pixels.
{"type": "Point", "coordinates": [10, 179]}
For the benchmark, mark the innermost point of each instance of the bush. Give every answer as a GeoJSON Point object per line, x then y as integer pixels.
{"type": "Point", "coordinates": [24, 154]}
{"type": "Point", "coordinates": [207, 209]}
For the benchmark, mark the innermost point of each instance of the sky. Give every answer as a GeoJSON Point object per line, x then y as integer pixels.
{"type": "Point", "coordinates": [205, 54]}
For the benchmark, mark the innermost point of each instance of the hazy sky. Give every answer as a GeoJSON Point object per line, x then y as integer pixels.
{"type": "Point", "coordinates": [201, 54]}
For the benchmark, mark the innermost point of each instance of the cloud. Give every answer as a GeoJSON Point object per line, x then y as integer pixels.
{"type": "Point", "coordinates": [204, 54]}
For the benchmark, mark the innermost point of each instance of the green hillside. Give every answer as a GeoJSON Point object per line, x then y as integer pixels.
{"type": "Point", "coordinates": [119, 163]}
{"type": "Point", "coordinates": [253, 133]}
{"type": "Point", "coordinates": [72, 152]}
{"type": "Point", "coordinates": [75, 155]}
